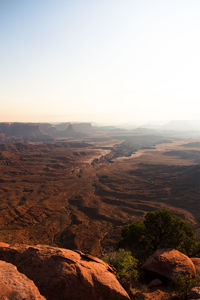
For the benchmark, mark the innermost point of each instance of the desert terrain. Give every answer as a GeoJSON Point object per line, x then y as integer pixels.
{"type": "Point", "coordinates": [75, 186]}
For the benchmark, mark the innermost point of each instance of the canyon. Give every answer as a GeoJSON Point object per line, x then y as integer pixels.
{"type": "Point", "coordinates": [76, 185]}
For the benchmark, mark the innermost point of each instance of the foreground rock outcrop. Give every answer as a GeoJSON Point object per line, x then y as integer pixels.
{"type": "Point", "coordinates": [16, 286]}
{"type": "Point", "coordinates": [169, 263]}
{"type": "Point", "coordinates": [64, 274]}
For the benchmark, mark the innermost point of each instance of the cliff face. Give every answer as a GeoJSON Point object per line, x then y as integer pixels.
{"type": "Point", "coordinates": [63, 274]}
{"type": "Point", "coordinates": [43, 131]}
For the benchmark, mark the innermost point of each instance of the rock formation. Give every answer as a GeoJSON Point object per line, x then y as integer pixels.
{"type": "Point", "coordinates": [14, 285]}
{"type": "Point", "coordinates": [169, 262]}
{"type": "Point", "coordinates": [64, 274]}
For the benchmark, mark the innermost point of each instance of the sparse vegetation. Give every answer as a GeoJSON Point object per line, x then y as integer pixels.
{"type": "Point", "coordinates": [125, 264]}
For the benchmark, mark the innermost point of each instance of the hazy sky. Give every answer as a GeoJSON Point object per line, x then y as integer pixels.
{"type": "Point", "coordinates": [99, 60]}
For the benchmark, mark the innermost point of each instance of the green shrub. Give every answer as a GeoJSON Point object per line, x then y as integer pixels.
{"type": "Point", "coordinates": [125, 265]}
{"type": "Point", "coordinates": [160, 229]}
{"type": "Point", "coordinates": [183, 285]}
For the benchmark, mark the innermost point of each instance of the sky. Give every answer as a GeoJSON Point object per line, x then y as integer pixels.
{"type": "Point", "coordinates": [106, 61]}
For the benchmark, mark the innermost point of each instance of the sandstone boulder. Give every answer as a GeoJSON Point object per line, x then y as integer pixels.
{"type": "Point", "coordinates": [196, 262]}
{"type": "Point", "coordinates": [169, 262]}
{"type": "Point", "coordinates": [16, 286]}
{"type": "Point", "coordinates": [65, 274]}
